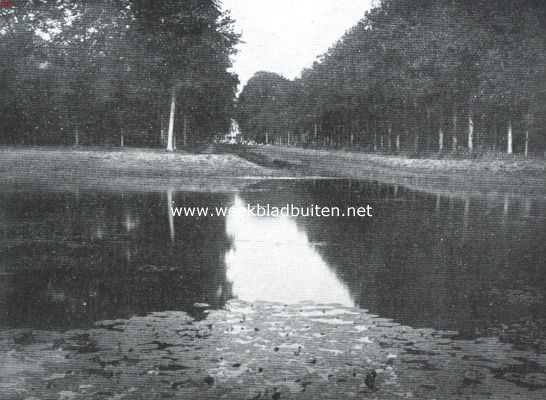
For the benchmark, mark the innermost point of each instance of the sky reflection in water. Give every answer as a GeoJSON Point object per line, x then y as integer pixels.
{"type": "Point", "coordinates": [466, 264]}
{"type": "Point", "coordinates": [272, 260]}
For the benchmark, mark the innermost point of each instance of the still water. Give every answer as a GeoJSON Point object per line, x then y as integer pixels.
{"type": "Point", "coordinates": [468, 265]}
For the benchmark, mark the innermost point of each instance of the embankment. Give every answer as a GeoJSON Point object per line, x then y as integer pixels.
{"type": "Point", "coordinates": [503, 177]}
{"type": "Point", "coordinates": [65, 168]}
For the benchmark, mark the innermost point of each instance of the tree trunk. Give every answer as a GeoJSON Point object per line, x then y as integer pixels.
{"type": "Point", "coordinates": [398, 143]}
{"type": "Point", "coordinates": [185, 131]}
{"type": "Point", "coordinates": [496, 143]}
{"type": "Point", "coordinates": [526, 144]}
{"type": "Point", "coordinates": [470, 132]}
{"type": "Point", "coordinates": [266, 137]}
{"type": "Point", "coordinates": [428, 129]}
{"type": "Point", "coordinates": [367, 133]}
{"type": "Point", "coordinates": [454, 128]}
{"type": "Point", "coordinates": [480, 132]}
{"type": "Point", "coordinates": [509, 145]}
{"type": "Point", "coordinates": [527, 127]}
{"type": "Point", "coordinates": [389, 138]}
{"type": "Point", "coordinates": [416, 143]}
{"type": "Point", "coordinates": [162, 138]}
{"type": "Point", "coordinates": [440, 140]}
{"type": "Point", "coordinates": [77, 136]}
{"type": "Point", "coordinates": [121, 139]}
{"type": "Point", "coordinates": [170, 133]}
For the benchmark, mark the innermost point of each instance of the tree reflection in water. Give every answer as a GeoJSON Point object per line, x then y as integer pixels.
{"type": "Point", "coordinates": [71, 260]}
{"type": "Point", "coordinates": [427, 260]}
{"type": "Point", "coordinates": [424, 260]}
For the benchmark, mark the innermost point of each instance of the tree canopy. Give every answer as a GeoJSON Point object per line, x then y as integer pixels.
{"type": "Point", "coordinates": [418, 76]}
{"type": "Point", "coordinates": [103, 71]}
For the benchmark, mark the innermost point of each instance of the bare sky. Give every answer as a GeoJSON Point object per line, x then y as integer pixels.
{"type": "Point", "coordinates": [285, 36]}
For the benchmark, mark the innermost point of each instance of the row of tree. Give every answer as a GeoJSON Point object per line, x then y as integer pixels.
{"type": "Point", "coordinates": [115, 72]}
{"type": "Point", "coordinates": [416, 76]}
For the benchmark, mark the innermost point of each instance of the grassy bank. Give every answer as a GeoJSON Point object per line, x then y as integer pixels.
{"type": "Point", "coordinates": [228, 168]}
{"type": "Point", "coordinates": [508, 176]}
{"type": "Point", "coordinates": [127, 169]}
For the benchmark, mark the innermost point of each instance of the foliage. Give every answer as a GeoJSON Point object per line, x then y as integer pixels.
{"type": "Point", "coordinates": [101, 69]}
{"type": "Point", "coordinates": [411, 68]}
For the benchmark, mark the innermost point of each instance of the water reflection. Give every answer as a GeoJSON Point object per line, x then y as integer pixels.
{"type": "Point", "coordinates": [170, 215]}
{"type": "Point", "coordinates": [273, 260]}
{"type": "Point", "coordinates": [424, 260]}
{"type": "Point", "coordinates": [67, 261]}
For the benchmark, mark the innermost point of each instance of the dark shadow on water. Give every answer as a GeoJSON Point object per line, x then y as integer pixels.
{"type": "Point", "coordinates": [426, 260]}
{"type": "Point", "coordinates": [68, 260]}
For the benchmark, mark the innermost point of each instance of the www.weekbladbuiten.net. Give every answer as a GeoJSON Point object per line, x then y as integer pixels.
{"type": "Point", "coordinates": [267, 210]}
